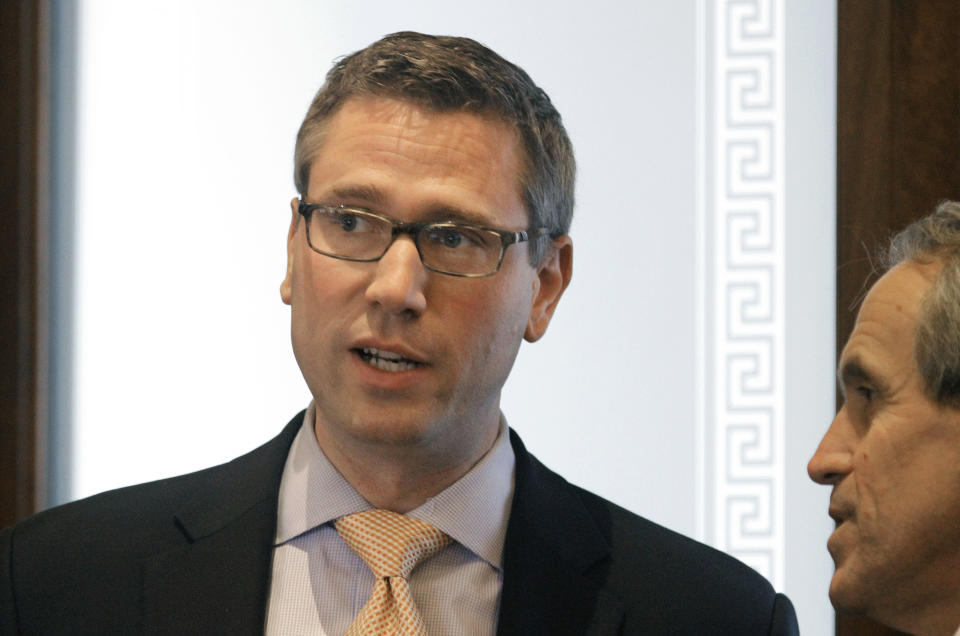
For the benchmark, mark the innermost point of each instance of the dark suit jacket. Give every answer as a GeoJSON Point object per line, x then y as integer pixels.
{"type": "Point", "coordinates": [191, 555]}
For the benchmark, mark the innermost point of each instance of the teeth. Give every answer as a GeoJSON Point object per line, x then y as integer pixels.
{"type": "Point", "coordinates": [389, 355]}
{"type": "Point", "coordinates": [386, 365]}
{"type": "Point", "coordinates": [387, 360]}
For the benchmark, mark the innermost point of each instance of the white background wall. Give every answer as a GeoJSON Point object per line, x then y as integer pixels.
{"type": "Point", "coordinates": [187, 117]}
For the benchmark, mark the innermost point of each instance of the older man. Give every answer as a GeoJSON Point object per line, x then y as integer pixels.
{"type": "Point", "coordinates": [892, 454]}
{"type": "Point", "coordinates": [429, 237]}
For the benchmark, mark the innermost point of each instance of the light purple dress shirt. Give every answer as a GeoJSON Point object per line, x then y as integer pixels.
{"type": "Point", "coordinates": [319, 584]}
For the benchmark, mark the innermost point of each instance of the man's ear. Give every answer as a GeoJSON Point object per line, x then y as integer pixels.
{"type": "Point", "coordinates": [553, 274]}
{"type": "Point", "coordinates": [286, 287]}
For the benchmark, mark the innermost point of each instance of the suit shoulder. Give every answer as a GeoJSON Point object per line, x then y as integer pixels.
{"type": "Point", "coordinates": [662, 581]}
{"type": "Point", "coordinates": [636, 542]}
{"type": "Point", "coordinates": [144, 513]}
{"type": "Point", "coordinates": [141, 513]}
{"type": "Point", "coordinates": [694, 587]}
{"type": "Point", "coordinates": [643, 542]}
{"type": "Point", "coordinates": [61, 567]}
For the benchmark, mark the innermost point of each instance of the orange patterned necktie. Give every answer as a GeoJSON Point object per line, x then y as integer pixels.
{"type": "Point", "coordinates": [391, 544]}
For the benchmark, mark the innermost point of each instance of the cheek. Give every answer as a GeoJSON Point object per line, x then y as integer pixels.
{"type": "Point", "coordinates": [503, 311]}
{"type": "Point", "coordinates": [878, 462]}
{"type": "Point", "coordinates": [869, 473]}
{"type": "Point", "coordinates": [488, 321]}
{"type": "Point", "coordinates": [325, 284]}
{"type": "Point", "coordinates": [317, 303]}
{"type": "Point", "coordinates": [888, 499]}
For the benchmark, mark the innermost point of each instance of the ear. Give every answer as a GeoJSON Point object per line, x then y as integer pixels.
{"type": "Point", "coordinates": [286, 287]}
{"type": "Point", "coordinates": [553, 276]}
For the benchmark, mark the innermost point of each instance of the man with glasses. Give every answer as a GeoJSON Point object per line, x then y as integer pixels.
{"type": "Point", "coordinates": [429, 237]}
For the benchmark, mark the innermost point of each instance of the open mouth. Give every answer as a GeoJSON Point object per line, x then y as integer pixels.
{"type": "Point", "coordinates": [387, 360]}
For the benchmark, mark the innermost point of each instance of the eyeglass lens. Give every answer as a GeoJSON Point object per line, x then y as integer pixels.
{"type": "Point", "coordinates": [448, 247]}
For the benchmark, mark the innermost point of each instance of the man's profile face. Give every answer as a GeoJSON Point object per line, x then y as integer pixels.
{"type": "Point", "coordinates": [461, 334]}
{"type": "Point", "coordinates": [893, 458]}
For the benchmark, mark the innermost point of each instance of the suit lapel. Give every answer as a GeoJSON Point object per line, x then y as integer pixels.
{"type": "Point", "coordinates": [218, 580]}
{"type": "Point", "coordinates": [554, 559]}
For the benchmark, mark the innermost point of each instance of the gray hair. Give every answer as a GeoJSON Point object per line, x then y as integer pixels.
{"type": "Point", "coordinates": [444, 74]}
{"type": "Point", "coordinates": [937, 351]}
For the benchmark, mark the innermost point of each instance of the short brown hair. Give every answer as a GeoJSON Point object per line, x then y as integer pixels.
{"type": "Point", "coordinates": [936, 238]}
{"type": "Point", "coordinates": [443, 74]}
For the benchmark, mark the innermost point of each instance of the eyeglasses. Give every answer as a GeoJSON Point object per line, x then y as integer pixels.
{"type": "Point", "coordinates": [456, 249]}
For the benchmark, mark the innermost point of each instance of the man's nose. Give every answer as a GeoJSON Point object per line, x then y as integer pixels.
{"type": "Point", "coordinates": [398, 285]}
{"type": "Point", "coordinates": [832, 460]}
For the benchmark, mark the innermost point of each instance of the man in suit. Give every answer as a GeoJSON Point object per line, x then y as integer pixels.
{"type": "Point", "coordinates": [892, 453]}
{"type": "Point", "coordinates": [430, 236]}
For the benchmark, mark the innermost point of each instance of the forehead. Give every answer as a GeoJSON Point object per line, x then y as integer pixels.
{"type": "Point", "coordinates": [399, 135]}
{"type": "Point", "coordinates": [884, 333]}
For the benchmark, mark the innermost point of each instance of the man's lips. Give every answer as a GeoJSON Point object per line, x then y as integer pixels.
{"type": "Point", "coordinates": [839, 514]}
{"type": "Point", "coordinates": [390, 359]}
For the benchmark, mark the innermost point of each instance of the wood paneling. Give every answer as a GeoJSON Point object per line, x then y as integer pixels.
{"type": "Point", "coordinates": [898, 139]}
{"type": "Point", "coordinates": [898, 142]}
{"type": "Point", "coordinates": [21, 316]}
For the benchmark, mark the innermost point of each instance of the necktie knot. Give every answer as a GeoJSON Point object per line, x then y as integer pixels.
{"type": "Point", "coordinates": [391, 545]}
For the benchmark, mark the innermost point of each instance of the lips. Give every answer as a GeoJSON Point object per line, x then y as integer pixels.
{"type": "Point", "coordinates": [840, 513]}
{"type": "Point", "coordinates": [387, 360]}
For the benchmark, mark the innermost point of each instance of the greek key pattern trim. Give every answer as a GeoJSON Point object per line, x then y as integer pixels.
{"type": "Point", "coordinates": [744, 168]}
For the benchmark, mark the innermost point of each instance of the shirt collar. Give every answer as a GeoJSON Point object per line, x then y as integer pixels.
{"type": "Point", "coordinates": [473, 510]}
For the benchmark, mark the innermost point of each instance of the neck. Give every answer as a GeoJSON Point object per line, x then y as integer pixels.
{"type": "Point", "coordinates": [400, 476]}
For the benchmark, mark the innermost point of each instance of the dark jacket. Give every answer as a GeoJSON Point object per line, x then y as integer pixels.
{"type": "Point", "coordinates": [191, 555]}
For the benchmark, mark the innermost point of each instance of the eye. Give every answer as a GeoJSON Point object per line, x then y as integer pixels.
{"type": "Point", "coordinates": [452, 237]}
{"type": "Point", "coordinates": [348, 222]}
{"type": "Point", "coordinates": [866, 392]}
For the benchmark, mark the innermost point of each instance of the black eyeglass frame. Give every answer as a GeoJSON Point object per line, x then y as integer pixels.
{"type": "Point", "coordinates": [507, 237]}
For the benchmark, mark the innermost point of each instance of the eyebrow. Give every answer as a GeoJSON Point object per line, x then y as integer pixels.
{"type": "Point", "coordinates": [456, 215]}
{"type": "Point", "coordinates": [370, 195]}
{"type": "Point", "coordinates": [853, 371]}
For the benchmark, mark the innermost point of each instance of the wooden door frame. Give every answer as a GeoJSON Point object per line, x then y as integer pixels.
{"type": "Point", "coordinates": [24, 43]}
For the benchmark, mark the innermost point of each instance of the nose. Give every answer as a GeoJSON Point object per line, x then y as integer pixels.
{"type": "Point", "coordinates": [398, 285]}
{"type": "Point", "coordinates": [832, 460]}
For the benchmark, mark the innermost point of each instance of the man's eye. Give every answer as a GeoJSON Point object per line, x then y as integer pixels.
{"type": "Point", "coordinates": [348, 222]}
{"type": "Point", "coordinates": [451, 237]}
{"type": "Point", "coordinates": [866, 392]}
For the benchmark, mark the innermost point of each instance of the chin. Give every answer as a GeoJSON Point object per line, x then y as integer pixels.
{"type": "Point", "coordinates": [392, 432]}
{"type": "Point", "coordinates": [846, 596]}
